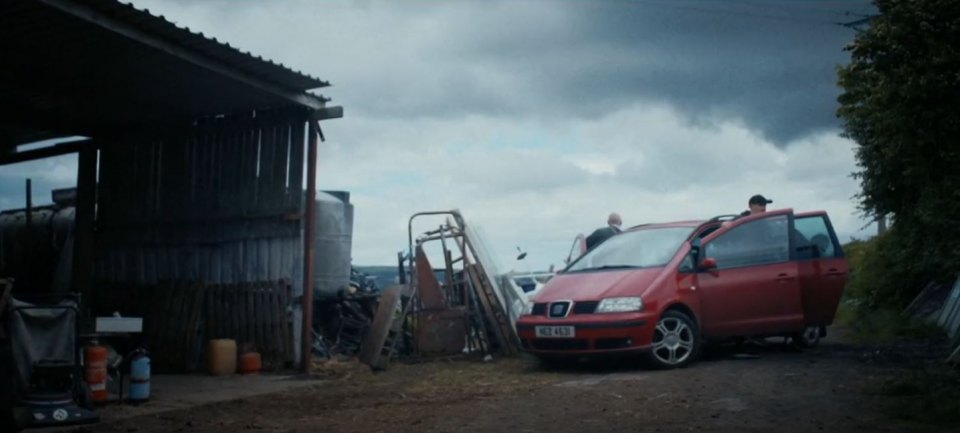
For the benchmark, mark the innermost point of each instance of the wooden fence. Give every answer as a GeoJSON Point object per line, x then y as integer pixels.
{"type": "Point", "coordinates": [181, 316]}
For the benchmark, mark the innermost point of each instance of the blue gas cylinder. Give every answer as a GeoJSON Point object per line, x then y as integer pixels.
{"type": "Point", "coordinates": [140, 376]}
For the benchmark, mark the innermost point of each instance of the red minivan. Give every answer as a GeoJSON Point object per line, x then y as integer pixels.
{"type": "Point", "coordinates": [662, 289]}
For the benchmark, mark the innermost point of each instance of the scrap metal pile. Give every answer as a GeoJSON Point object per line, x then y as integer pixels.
{"type": "Point", "coordinates": [346, 318]}
{"type": "Point", "coordinates": [457, 307]}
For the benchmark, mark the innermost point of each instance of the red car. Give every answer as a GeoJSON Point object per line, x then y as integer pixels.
{"type": "Point", "coordinates": [663, 289]}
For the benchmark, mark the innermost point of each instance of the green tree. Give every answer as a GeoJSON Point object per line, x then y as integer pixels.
{"type": "Point", "coordinates": [901, 105]}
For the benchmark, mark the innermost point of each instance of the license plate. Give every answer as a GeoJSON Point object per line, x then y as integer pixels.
{"type": "Point", "coordinates": [555, 332]}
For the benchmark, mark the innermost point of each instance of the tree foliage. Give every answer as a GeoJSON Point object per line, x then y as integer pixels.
{"type": "Point", "coordinates": [901, 105]}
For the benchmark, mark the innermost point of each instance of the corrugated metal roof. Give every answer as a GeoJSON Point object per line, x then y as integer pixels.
{"type": "Point", "coordinates": [211, 47]}
{"type": "Point", "coordinates": [90, 67]}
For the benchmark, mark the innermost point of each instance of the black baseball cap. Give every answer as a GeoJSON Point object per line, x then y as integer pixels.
{"type": "Point", "coordinates": [759, 199]}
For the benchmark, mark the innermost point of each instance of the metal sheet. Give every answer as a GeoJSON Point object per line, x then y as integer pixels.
{"type": "Point", "coordinates": [442, 332]}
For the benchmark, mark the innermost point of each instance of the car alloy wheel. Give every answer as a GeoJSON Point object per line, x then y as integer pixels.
{"type": "Point", "coordinates": [810, 337]}
{"type": "Point", "coordinates": [675, 340]}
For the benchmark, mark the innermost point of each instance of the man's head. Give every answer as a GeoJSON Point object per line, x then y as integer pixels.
{"type": "Point", "coordinates": [614, 220]}
{"type": "Point", "coordinates": [758, 204]}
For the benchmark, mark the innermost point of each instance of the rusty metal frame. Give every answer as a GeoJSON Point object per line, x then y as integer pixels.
{"type": "Point", "coordinates": [475, 275]}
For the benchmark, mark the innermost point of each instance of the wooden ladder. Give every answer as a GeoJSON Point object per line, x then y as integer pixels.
{"type": "Point", "coordinates": [501, 328]}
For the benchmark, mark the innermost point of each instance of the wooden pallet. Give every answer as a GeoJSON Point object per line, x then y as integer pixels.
{"type": "Point", "coordinates": [179, 317]}
{"type": "Point", "coordinates": [171, 325]}
{"type": "Point", "coordinates": [255, 316]}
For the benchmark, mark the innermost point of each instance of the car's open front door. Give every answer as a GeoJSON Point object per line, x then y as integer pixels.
{"type": "Point", "coordinates": [752, 285]}
{"type": "Point", "coordinates": [823, 267]}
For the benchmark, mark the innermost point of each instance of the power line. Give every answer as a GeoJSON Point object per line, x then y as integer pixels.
{"type": "Point", "coordinates": [857, 23]}
{"type": "Point", "coordinates": [676, 4]}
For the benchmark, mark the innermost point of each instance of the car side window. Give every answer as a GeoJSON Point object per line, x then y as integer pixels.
{"type": "Point", "coordinates": [687, 264]}
{"type": "Point", "coordinates": [814, 229]}
{"type": "Point", "coordinates": [759, 242]}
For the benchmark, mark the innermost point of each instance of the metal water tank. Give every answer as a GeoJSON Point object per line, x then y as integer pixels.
{"type": "Point", "coordinates": [33, 256]}
{"type": "Point", "coordinates": [332, 240]}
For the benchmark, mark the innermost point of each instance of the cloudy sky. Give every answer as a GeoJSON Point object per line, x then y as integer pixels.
{"type": "Point", "coordinates": [536, 119]}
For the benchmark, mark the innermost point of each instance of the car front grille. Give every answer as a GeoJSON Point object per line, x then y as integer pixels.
{"type": "Point", "coordinates": [539, 309]}
{"type": "Point", "coordinates": [560, 344]}
{"type": "Point", "coordinates": [585, 307]}
{"type": "Point", "coordinates": [612, 343]}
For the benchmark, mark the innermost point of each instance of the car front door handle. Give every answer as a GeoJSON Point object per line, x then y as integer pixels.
{"type": "Point", "coordinates": [785, 277]}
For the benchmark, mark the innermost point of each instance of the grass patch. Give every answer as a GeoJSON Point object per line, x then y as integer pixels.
{"type": "Point", "coordinates": [930, 395]}
{"type": "Point", "coordinates": [883, 325]}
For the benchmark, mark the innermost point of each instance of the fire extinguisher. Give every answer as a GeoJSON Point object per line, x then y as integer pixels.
{"type": "Point", "coordinates": [95, 372]}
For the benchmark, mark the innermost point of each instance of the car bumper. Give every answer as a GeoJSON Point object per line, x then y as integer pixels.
{"type": "Point", "coordinates": [594, 334]}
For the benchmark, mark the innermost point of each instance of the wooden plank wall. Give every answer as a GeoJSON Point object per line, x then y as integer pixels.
{"type": "Point", "coordinates": [217, 174]}
{"type": "Point", "coordinates": [219, 203]}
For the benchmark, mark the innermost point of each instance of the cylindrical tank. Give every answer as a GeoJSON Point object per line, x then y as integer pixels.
{"type": "Point", "coordinates": [31, 255]}
{"type": "Point", "coordinates": [333, 239]}
{"type": "Point", "coordinates": [139, 376]}
{"type": "Point", "coordinates": [95, 371]}
{"type": "Point", "coordinates": [222, 357]}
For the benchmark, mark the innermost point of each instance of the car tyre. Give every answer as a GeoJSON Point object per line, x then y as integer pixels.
{"type": "Point", "coordinates": [810, 337]}
{"type": "Point", "coordinates": [676, 341]}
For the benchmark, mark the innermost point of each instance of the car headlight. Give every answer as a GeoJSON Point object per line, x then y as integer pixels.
{"type": "Point", "coordinates": [620, 305]}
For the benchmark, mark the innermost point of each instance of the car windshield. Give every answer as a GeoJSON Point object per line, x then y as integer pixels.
{"type": "Point", "coordinates": [645, 248]}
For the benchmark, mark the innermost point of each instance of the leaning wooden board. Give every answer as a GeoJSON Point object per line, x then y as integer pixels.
{"type": "Point", "coordinates": [380, 328]}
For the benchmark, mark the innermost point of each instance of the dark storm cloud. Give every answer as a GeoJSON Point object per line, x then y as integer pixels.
{"type": "Point", "coordinates": [773, 67]}
{"type": "Point", "coordinates": [769, 64]}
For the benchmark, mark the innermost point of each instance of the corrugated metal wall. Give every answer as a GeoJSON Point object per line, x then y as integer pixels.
{"type": "Point", "coordinates": [222, 205]}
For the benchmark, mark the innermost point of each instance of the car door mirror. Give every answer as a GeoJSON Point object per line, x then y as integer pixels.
{"type": "Point", "coordinates": [708, 264]}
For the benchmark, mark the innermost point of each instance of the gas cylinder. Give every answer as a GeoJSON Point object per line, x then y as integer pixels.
{"type": "Point", "coordinates": [95, 372]}
{"type": "Point", "coordinates": [250, 363]}
{"type": "Point", "coordinates": [139, 376]}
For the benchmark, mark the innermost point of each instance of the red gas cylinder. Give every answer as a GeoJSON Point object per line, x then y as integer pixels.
{"type": "Point", "coordinates": [250, 363]}
{"type": "Point", "coordinates": [95, 373]}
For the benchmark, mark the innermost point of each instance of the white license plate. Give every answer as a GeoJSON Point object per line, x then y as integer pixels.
{"type": "Point", "coordinates": [555, 332]}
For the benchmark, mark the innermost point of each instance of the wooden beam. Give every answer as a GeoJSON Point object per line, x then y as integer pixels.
{"type": "Point", "coordinates": [83, 237]}
{"type": "Point", "coordinates": [327, 113]}
{"type": "Point", "coordinates": [45, 152]}
{"type": "Point", "coordinates": [91, 15]}
{"type": "Point", "coordinates": [309, 227]}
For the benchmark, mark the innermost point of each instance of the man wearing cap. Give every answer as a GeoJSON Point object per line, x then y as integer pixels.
{"type": "Point", "coordinates": [757, 204]}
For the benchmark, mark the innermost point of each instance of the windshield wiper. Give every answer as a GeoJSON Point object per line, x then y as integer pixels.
{"type": "Point", "coordinates": [606, 267]}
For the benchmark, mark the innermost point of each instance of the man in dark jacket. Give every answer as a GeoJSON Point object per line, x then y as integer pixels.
{"type": "Point", "coordinates": [601, 234]}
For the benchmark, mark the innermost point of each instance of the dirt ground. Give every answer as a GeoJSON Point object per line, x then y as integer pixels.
{"type": "Point", "coordinates": [770, 387]}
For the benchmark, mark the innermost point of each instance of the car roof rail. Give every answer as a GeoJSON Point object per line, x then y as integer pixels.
{"type": "Point", "coordinates": [730, 217]}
